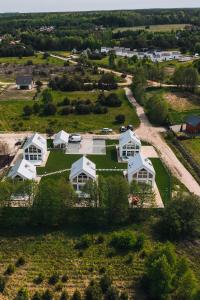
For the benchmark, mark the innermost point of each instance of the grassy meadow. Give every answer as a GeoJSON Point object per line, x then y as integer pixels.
{"type": "Point", "coordinates": [154, 28]}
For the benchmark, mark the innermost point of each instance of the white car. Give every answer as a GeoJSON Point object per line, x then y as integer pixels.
{"type": "Point", "coordinates": [107, 130]}
{"type": "Point", "coordinates": [75, 138]}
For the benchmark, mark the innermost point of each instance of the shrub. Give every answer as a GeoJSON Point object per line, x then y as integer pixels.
{"type": "Point", "coordinates": [125, 240]}
{"type": "Point", "coordinates": [58, 287]}
{"type": "Point", "coordinates": [66, 111]}
{"type": "Point", "coordinates": [50, 109]}
{"type": "Point", "coordinates": [112, 294]}
{"type": "Point", "coordinates": [54, 279]}
{"type": "Point", "coordinates": [120, 119]}
{"type": "Point", "coordinates": [100, 239]}
{"type": "Point", "coordinates": [124, 296]}
{"type": "Point", "coordinates": [105, 283]}
{"type": "Point", "coordinates": [47, 295]}
{"type": "Point", "coordinates": [66, 101]}
{"type": "Point", "coordinates": [20, 262]}
{"type": "Point", "coordinates": [93, 292]}
{"type": "Point", "coordinates": [27, 110]}
{"type": "Point", "coordinates": [10, 270]}
{"type": "Point", "coordinates": [39, 279]}
{"type": "Point", "coordinates": [2, 283]}
{"type": "Point", "coordinates": [64, 278]}
{"type": "Point", "coordinates": [129, 259]}
{"type": "Point", "coordinates": [140, 242]}
{"type": "Point", "coordinates": [22, 294]}
{"type": "Point", "coordinates": [37, 296]}
{"type": "Point", "coordinates": [84, 243]}
{"type": "Point", "coordinates": [64, 296]}
{"type": "Point", "coordinates": [36, 108]}
{"type": "Point", "coordinates": [76, 295]}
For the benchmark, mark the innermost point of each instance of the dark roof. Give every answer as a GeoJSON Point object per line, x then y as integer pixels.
{"type": "Point", "coordinates": [24, 80]}
{"type": "Point", "coordinates": [193, 120]}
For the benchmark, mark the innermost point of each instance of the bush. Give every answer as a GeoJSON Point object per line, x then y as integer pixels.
{"type": "Point", "coordinates": [37, 296]}
{"type": "Point", "coordinates": [125, 240]}
{"type": "Point", "coordinates": [2, 284]}
{"type": "Point", "coordinates": [36, 108]}
{"type": "Point", "coordinates": [27, 110]}
{"type": "Point", "coordinates": [22, 294]}
{"type": "Point", "coordinates": [50, 109]}
{"type": "Point", "coordinates": [66, 111]}
{"type": "Point", "coordinates": [64, 278]}
{"type": "Point", "coordinates": [47, 295]}
{"type": "Point", "coordinates": [140, 242]}
{"type": "Point", "coordinates": [112, 294]}
{"type": "Point", "coordinates": [64, 296]}
{"type": "Point", "coordinates": [10, 270]}
{"type": "Point", "coordinates": [20, 262]}
{"type": "Point", "coordinates": [84, 243]}
{"type": "Point", "coordinates": [120, 119]}
{"type": "Point", "coordinates": [124, 296]}
{"type": "Point", "coordinates": [100, 239]}
{"type": "Point", "coordinates": [93, 292]}
{"type": "Point", "coordinates": [54, 279]}
{"type": "Point", "coordinates": [39, 279]}
{"type": "Point", "coordinates": [111, 100]}
{"type": "Point", "coordinates": [76, 295]}
{"type": "Point", "coordinates": [105, 283]}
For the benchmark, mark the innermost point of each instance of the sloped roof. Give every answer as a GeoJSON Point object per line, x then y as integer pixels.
{"type": "Point", "coordinates": [128, 136]}
{"type": "Point", "coordinates": [61, 137]}
{"type": "Point", "coordinates": [139, 162]}
{"type": "Point", "coordinates": [36, 140]}
{"type": "Point", "coordinates": [193, 120]}
{"type": "Point", "coordinates": [24, 169]}
{"type": "Point", "coordinates": [83, 165]}
{"type": "Point", "coordinates": [24, 80]}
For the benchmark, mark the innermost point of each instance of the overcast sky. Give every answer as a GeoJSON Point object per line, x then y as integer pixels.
{"type": "Point", "coordinates": [78, 5]}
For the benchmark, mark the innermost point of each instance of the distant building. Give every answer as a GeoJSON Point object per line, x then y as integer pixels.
{"type": "Point", "coordinates": [129, 145]}
{"type": "Point", "coordinates": [193, 125]}
{"type": "Point", "coordinates": [82, 171]}
{"type": "Point", "coordinates": [24, 82]}
{"type": "Point", "coordinates": [22, 170]}
{"type": "Point", "coordinates": [61, 140]}
{"type": "Point", "coordinates": [141, 170]}
{"type": "Point", "coordinates": [35, 149]}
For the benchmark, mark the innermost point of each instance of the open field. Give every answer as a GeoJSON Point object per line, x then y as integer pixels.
{"type": "Point", "coordinates": [153, 28]}
{"type": "Point", "coordinates": [10, 93]}
{"type": "Point", "coordinates": [11, 115]}
{"type": "Point", "coordinates": [36, 59]}
{"type": "Point", "coordinates": [193, 147]}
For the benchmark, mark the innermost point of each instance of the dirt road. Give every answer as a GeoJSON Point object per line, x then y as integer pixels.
{"type": "Point", "coordinates": [151, 134]}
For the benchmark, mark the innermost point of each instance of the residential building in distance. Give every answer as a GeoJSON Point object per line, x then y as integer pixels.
{"type": "Point", "coordinates": [129, 145]}
{"type": "Point", "coordinates": [24, 82]}
{"type": "Point", "coordinates": [193, 125]}
{"type": "Point", "coordinates": [35, 149]}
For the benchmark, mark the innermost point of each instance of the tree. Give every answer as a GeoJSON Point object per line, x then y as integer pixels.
{"type": "Point", "coordinates": [91, 188]}
{"type": "Point", "coordinates": [22, 294]}
{"type": "Point", "coordinates": [186, 77]}
{"type": "Point", "coordinates": [76, 295]}
{"type": "Point", "coordinates": [27, 110]}
{"type": "Point", "coordinates": [120, 119]}
{"type": "Point", "coordinates": [181, 218]}
{"type": "Point", "coordinates": [93, 292]}
{"type": "Point", "coordinates": [157, 110]}
{"type": "Point", "coordinates": [105, 283]}
{"type": "Point", "coordinates": [47, 96]}
{"type": "Point", "coordinates": [139, 85]}
{"type": "Point", "coordinates": [111, 59]}
{"type": "Point", "coordinates": [197, 48]}
{"type": "Point", "coordinates": [112, 294]}
{"type": "Point", "coordinates": [50, 109]}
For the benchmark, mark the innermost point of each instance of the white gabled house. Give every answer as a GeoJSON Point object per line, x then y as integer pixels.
{"type": "Point", "coordinates": [141, 170]}
{"type": "Point", "coordinates": [35, 149]}
{"type": "Point", "coordinates": [61, 140]}
{"type": "Point", "coordinates": [82, 171]}
{"type": "Point", "coordinates": [23, 170]}
{"type": "Point", "coordinates": [129, 145]}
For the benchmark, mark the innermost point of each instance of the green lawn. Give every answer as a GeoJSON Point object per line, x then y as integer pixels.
{"type": "Point", "coordinates": [154, 28]}
{"type": "Point", "coordinates": [11, 115]}
{"type": "Point", "coordinates": [36, 59]}
{"type": "Point", "coordinates": [163, 180]}
{"type": "Point", "coordinates": [193, 147]}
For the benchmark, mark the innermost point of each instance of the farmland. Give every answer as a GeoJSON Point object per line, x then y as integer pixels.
{"type": "Point", "coordinates": [154, 28]}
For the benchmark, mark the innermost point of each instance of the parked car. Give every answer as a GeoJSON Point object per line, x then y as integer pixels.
{"type": "Point", "coordinates": [123, 129]}
{"type": "Point", "coordinates": [130, 127]}
{"type": "Point", "coordinates": [106, 130]}
{"type": "Point", "coordinates": [75, 138]}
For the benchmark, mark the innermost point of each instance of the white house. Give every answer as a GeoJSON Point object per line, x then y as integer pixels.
{"type": "Point", "coordinates": [35, 149]}
{"type": "Point", "coordinates": [24, 82]}
{"type": "Point", "coordinates": [129, 145]}
{"type": "Point", "coordinates": [23, 170]}
{"type": "Point", "coordinates": [141, 170]}
{"type": "Point", "coordinates": [61, 140]}
{"type": "Point", "coordinates": [82, 171]}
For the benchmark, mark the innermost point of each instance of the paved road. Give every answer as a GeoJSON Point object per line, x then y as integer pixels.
{"type": "Point", "coordinates": [152, 134]}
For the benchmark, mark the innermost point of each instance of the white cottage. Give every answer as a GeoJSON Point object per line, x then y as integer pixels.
{"type": "Point", "coordinates": [61, 140]}
{"type": "Point", "coordinates": [35, 149]}
{"type": "Point", "coordinates": [82, 171]}
{"type": "Point", "coordinates": [23, 170]}
{"type": "Point", "coordinates": [129, 145]}
{"type": "Point", "coordinates": [141, 170]}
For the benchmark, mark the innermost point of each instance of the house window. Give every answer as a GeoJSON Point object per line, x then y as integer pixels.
{"type": "Point", "coordinates": [27, 157]}
{"type": "Point", "coordinates": [143, 174]}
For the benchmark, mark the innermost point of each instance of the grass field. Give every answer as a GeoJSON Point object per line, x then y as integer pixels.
{"type": "Point", "coordinates": [36, 59]}
{"type": "Point", "coordinates": [11, 115]}
{"type": "Point", "coordinates": [193, 147]}
{"type": "Point", "coordinates": [153, 28]}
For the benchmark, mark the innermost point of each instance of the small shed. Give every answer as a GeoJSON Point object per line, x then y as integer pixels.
{"type": "Point", "coordinates": [61, 140]}
{"type": "Point", "coordinates": [193, 125]}
{"type": "Point", "coordinates": [24, 82]}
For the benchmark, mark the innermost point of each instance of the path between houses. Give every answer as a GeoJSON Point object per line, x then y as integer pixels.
{"type": "Point", "coordinates": [152, 135]}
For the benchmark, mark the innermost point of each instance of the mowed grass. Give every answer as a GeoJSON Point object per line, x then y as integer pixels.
{"type": "Point", "coordinates": [163, 180]}
{"type": "Point", "coordinates": [153, 28]}
{"type": "Point", "coordinates": [193, 147]}
{"type": "Point", "coordinates": [11, 115]}
{"type": "Point", "coordinates": [37, 59]}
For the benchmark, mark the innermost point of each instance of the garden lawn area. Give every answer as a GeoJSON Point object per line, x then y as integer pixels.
{"type": "Point", "coordinates": [193, 147]}
{"type": "Point", "coordinates": [11, 115]}
{"type": "Point", "coordinates": [36, 59]}
{"type": "Point", "coordinates": [163, 180]}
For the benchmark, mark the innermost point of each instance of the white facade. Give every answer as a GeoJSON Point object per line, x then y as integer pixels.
{"type": "Point", "coordinates": [29, 87]}
{"type": "Point", "coordinates": [129, 145]}
{"type": "Point", "coordinates": [141, 170]}
{"type": "Point", "coordinates": [82, 171]}
{"type": "Point", "coordinates": [23, 170]}
{"type": "Point", "coordinates": [35, 149]}
{"type": "Point", "coordinates": [61, 140]}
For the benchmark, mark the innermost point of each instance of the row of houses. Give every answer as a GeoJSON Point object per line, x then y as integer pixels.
{"type": "Point", "coordinates": [139, 168]}
{"type": "Point", "coordinates": [155, 56]}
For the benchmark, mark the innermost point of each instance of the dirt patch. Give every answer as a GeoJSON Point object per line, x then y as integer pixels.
{"type": "Point", "coordinates": [11, 93]}
{"type": "Point", "coordinates": [183, 101]}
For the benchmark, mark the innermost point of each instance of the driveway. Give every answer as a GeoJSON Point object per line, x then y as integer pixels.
{"type": "Point", "coordinates": [152, 135]}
